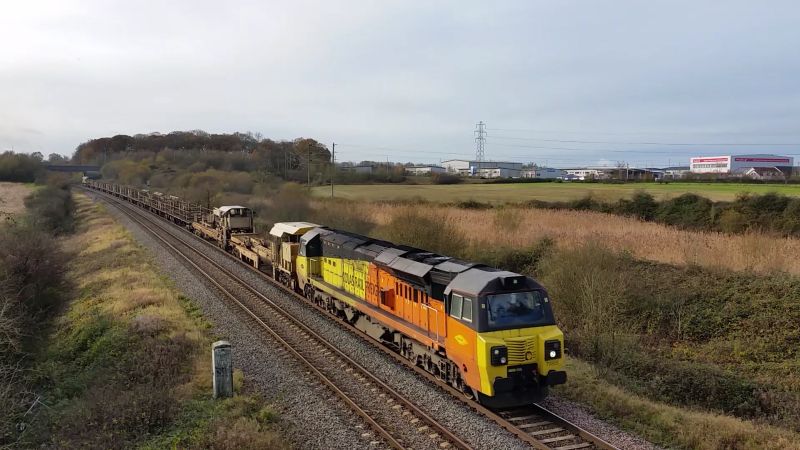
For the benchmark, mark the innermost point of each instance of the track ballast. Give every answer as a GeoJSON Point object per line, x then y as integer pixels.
{"type": "Point", "coordinates": [535, 425]}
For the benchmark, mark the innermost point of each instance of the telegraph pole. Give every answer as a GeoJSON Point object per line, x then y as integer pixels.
{"type": "Point", "coordinates": [333, 166]}
{"type": "Point", "coordinates": [308, 167]}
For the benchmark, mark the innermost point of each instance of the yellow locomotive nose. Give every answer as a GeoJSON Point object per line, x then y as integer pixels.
{"type": "Point", "coordinates": [520, 362]}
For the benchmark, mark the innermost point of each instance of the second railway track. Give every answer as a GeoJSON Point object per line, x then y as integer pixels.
{"type": "Point", "coordinates": [398, 422]}
{"type": "Point", "coordinates": [535, 425]}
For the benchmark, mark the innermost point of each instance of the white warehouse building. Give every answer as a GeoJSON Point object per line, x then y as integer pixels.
{"type": "Point", "coordinates": [543, 172]}
{"type": "Point", "coordinates": [424, 170]}
{"type": "Point", "coordinates": [485, 169]}
{"type": "Point", "coordinates": [730, 164]}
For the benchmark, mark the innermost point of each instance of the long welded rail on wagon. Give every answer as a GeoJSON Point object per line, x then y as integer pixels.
{"type": "Point", "coordinates": [307, 332]}
{"type": "Point", "coordinates": [517, 427]}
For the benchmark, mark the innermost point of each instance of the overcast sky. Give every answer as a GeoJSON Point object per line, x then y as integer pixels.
{"type": "Point", "coordinates": [410, 79]}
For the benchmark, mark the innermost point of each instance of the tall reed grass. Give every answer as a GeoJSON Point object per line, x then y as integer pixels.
{"type": "Point", "coordinates": [520, 227]}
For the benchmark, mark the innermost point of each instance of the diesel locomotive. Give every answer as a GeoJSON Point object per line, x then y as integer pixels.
{"type": "Point", "coordinates": [487, 332]}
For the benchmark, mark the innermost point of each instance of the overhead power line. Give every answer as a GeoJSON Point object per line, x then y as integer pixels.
{"type": "Point", "coordinates": [402, 150]}
{"type": "Point", "coordinates": [698, 144]}
{"type": "Point", "coordinates": [639, 133]}
{"type": "Point", "coordinates": [398, 153]}
{"type": "Point", "coordinates": [606, 150]}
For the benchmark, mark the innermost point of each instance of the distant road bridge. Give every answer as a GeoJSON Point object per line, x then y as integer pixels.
{"type": "Point", "coordinates": [71, 168]}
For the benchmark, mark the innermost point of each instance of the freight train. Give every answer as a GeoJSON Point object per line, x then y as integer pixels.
{"type": "Point", "coordinates": [487, 332]}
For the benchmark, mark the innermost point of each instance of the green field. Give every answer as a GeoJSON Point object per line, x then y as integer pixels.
{"type": "Point", "coordinates": [520, 192]}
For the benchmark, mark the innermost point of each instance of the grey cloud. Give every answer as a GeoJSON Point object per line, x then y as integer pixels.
{"type": "Point", "coordinates": [409, 76]}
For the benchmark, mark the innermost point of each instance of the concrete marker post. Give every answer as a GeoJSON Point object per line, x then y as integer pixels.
{"type": "Point", "coordinates": [222, 365]}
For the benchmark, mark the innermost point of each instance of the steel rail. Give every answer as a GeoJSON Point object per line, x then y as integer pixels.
{"type": "Point", "coordinates": [494, 415]}
{"type": "Point", "coordinates": [585, 435]}
{"type": "Point", "coordinates": [433, 423]}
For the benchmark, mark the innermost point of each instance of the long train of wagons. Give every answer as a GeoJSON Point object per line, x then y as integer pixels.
{"type": "Point", "coordinates": [487, 332]}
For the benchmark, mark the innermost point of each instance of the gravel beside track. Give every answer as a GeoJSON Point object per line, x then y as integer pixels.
{"type": "Point", "coordinates": [578, 415]}
{"type": "Point", "coordinates": [313, 416]}
{"type": "Point", "coordinates": [399, 422]}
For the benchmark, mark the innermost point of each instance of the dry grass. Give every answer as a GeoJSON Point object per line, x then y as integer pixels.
{"type": "Point", "coordinates": [11, 198]}
{"type": "Point", "coordinates": [667, 425]}
{"type": "Point", "coordinates": [141, 317]}
{"type": "Point", "coordinates": [521, 192]}
{"type": "Point", "coordinates": [519, 227]}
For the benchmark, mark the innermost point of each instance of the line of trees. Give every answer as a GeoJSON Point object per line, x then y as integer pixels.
{"type": "Point", "coordinates": [141, 158]}
{"type": "Point", "coordinates": [20, 167]}
{"type": "Point", "coordinates": [265, 154]}
{"type": "Point", "coordinates": [768, 213]}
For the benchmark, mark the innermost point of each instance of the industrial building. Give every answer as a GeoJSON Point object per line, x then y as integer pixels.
{"type": "Point", "coordinates": [424, 170]}
{"type": "Point", "coordinates": [675, 172]}
{"type": "Point", "coordinates": [483, 169]}
{"type": "Point", "coordinates": [612, 173]}
{"type": "Point", "coordinates": [585, 173]}
{"type": "Point", "coordinates": [458, 166]}
{"type": "Point", "coordinates": [765, 173]}
{"type": "Point", "coordinates": [543, 173]}
{"type": "Point", "coordinates": [357, 169]}
{"type": "Point", "coordinates": [739, 164]}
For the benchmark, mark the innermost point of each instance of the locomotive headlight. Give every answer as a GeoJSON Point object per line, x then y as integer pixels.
{"type": "Point", "coordinates": [552, 350]}
{"type": "Point", "coordinates": [499, 356]}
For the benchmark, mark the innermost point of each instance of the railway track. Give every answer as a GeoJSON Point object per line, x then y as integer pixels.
{"type": "Point", "coordinates": [549, 430]}
{"type": "Point", "coordinates": [536, 425]}
{"type": "Point", "coordinates": [398, 422]}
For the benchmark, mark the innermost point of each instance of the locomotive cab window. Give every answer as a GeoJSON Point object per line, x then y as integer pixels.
{"type": "Point", "coordinates": [516, 309]}
{"type": "Point", "coordinates": [466, 313]}
{"type": "Point", "coordinates": [455, 305]}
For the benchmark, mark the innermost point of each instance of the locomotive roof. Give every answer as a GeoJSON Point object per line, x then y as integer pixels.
{"type": "Point", "coordinates": [479, 279]}
{"type": "Point", "coordinates": [292, 228]}
{"type": "Point", "coordinates": [411, 267]}
{"type": "Point", "coordinates": [390, 254]}
{"type": "Point", "coordinates": [373, 249]}
{"type": "Point", "coordinates": [400, 259]}
{"type": "Point", "coordinates": [342, 237]}
{"type": "Point", "coordinates": [311, 234]}
{"type": "Point", "coordinates": [455, 266]}
{"type": "Point", "coordinates": [351, 245]}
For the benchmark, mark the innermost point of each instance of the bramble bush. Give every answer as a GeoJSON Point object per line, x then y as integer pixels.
{"type": "Point", "coordinates": [767, 213]}
{"type": "Point", "coordinates": [687, 336]}
{"type": "Point", "coordinates": [446, 178]}
{"type": "Point", "coordinates": [51, 208]}
{"type": "Point", "coordinates": [33, 282]}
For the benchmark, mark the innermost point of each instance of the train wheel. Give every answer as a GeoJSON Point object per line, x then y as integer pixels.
{"type": "Point", "coordinates": [469, 393]}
